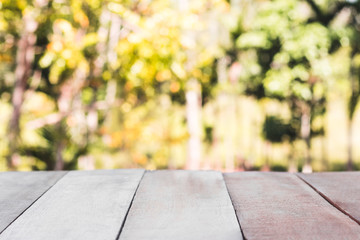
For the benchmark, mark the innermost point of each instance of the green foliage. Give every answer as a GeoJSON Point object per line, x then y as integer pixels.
{"type": "Point", "coordinates": [56, 139]}
{"type": "Point", "coordinates": [110, 77]}
{"type": "Point", "coordinates": [276, 131]}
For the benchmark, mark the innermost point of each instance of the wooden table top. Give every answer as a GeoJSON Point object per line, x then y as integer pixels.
{"type": "Point", "coordinates": [137, 204]}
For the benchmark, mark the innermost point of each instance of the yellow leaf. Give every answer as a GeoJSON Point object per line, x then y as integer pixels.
{"type": "Point", "coordinates": [90, 39]}
{"type": "Point", "coordinates": [82, 19]}
{"type": "Point", "coordinates": [163, 75]}
{"type": "Point", "coordinates": [174, 87]}
{"type": "Point", "coordinates": [62, 25]}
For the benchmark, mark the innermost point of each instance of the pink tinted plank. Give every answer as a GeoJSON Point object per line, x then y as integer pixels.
{"type": "Point", "coordinates": [281, 206]}
{"type": "Point", "coordinates": [342, 189]}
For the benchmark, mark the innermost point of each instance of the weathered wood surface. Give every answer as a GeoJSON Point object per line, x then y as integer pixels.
{"type": "Point", "coordinates": [82, 205]}
{"type": "Point", "coordinates": [18, 190]}
{"type": "Point", "coordinates": [281, 206]}
{"type": "Point", "coordinates": [342, 189]}
{"type": "Point", "coordinates": [126, 204]}
{"type": "Point", "coordinates": [181, 205]}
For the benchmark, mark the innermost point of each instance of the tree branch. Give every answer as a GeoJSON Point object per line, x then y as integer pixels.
{"type": "Point", "coordinates": [54, 118]}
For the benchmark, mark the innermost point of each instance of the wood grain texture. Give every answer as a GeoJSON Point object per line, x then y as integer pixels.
{"type": "Point", "coordinates": [181, 205]}
{"type": "Point", "coordinates": [82, 205]}
{"type": "Point", "coordinates": [281, 206]}
{"type": "Point", "coordinates": [340, 188]}
{"type": "Point", "coordinates": [18, 190]}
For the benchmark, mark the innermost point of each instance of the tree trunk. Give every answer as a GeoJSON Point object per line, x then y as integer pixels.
{"type": "Point", "coordinates": [350, 165]}
{"type": "Point", "coordinates": [268, 155]}
{"type": "Point", "coordinates": [324, 156]}
{"type": "Point", "coordinates": [226, 115]}
{"type": "Point", "coordinates": [24, 61]}
{"type": "Point", "coordinates": [229, 141]}
{"type": "Point", "coordinates": [193, 116]}
{"type": "Point", "coordinates": [305, 134]}
{"type": "Point", "coordinates": [59, 160]}
{"type": "Point", "coordinates": [354, 98]}
{"type": "Point", "coordinates": [103, 48]}
{"type": "Point", "coordinates": [114, 36]}
{"type": "Point", "coordinates": [292, 162]}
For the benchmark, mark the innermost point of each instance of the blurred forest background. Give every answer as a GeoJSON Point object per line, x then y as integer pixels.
{"type": "Point", "coordinates": [205, 84]}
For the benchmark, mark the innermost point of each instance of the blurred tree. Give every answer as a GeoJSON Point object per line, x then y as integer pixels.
{"type": "Point", "coordinates": [287, 63]}
{"type": "Point", "coordinates": [342, 18]}
{"type": "Point", "coordinates": [276, 130]}
{"type": "Point", "coordinates": [56, 142]}
{"type": "Point", "coordinates": [131, 78]}
{"type": "Point", "coordinates": [61, 70]}
{"type": "Point", "coordinates": [24, 23]}
{"type": "Point", "coordinates": [172, 57]}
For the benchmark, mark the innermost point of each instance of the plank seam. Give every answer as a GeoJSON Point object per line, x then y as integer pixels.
{"type": "Point", "coordinates": [128, 210]}
{"type": "Point", "coordinates": [232, 203]}
{"type": "Point", "coordinates": [329, 200]}
{"type": "Point", "coordinates": [33, 202]}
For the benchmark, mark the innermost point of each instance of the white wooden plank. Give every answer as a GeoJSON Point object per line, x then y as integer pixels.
{"type": "Point", "coordinates": [181, 205]}
{"type": "Point", "coordinates": [281, 206]}
{"type": "Point", "coordinates": [82, 205]}
{"type": "Point", "coordinates": [18, 190]}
